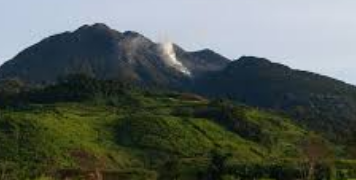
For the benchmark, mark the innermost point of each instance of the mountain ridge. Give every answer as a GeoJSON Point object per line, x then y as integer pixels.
{"type": "Point", "coordinates": [99, 46]}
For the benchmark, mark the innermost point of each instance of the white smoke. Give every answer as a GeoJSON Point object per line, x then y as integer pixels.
{"type": "Point", "coordinates": [133, 45]}
{"type": "Point", "coordinates": [170, 57]}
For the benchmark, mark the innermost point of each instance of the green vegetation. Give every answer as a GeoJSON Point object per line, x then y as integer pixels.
{"type": "Point", "coordinates": [84, 127]}
{"type": "Point", "coordinates": [318, 102]}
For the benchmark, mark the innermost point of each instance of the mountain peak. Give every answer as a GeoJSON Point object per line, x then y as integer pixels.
{"type": "Point", "coordinates": [132, 34]}
{"type": "Point", "coordinates": [206, 50]}
{"type": "Point", "coordinates": [98, 29]}
{"type": "Point", "coordinates": [253, 59]}
{"type": "Point", "coordinates": [96, 26]}
{"type": "Point", "coordinates": [99, 51]}
{"type": "Point", "coordinates": [205, 53]}
{"type": "Point", "coordinates": [256, 62]}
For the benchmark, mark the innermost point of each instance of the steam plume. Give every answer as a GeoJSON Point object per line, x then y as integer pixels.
{"type": "Point", "coordinates": [169, 55]}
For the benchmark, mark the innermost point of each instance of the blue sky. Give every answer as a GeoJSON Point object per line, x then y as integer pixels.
{"type": "Point", "coordinates": [315, 35]}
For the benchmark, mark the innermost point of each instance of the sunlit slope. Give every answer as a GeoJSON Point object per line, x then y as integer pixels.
{"type": "Point", "coordinates": [142, 133]}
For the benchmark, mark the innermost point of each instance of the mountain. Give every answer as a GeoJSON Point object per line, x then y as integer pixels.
{"type": "Point", "coordinates": [71, 109]}
{"type": "Point", "coordinates": [315, 101]}
{"type": "Point", "coordinates": [322, 103]}
{"type": "Point", "coordinates": [102, 52]}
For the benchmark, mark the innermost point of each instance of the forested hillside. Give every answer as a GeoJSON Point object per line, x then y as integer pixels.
{"type": "Point", "coordinates": [82, 125]}
{"type": "Point", "coordinates": [318, 102]}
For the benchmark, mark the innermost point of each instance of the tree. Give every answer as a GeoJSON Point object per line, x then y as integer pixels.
{"type": "Point", "coordinates": [89, 164]}
{"type": "Point", "coordinates": [217, 165]}
{"type": "Point", "coordinates": [4, 168]}
{"type": "Point", "coordinates": [170, 169]}
{"type": "Point", "coordinates": [11, 86]}
{"type": "Point", "coordinates": [315, 152]}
